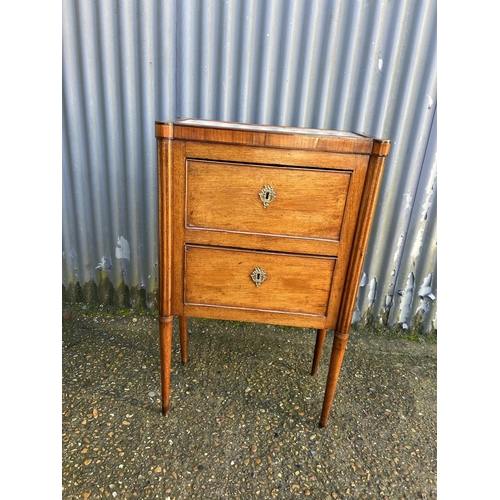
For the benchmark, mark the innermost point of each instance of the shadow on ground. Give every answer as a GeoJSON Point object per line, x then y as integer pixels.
{"type": "Point", "coordinates": [244, 414]}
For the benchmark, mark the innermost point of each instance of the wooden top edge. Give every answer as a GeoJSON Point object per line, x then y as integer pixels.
{"type": "Point", "coordinates": [271, 135]}
{"type": "Point", "coordinates": [252, 127]}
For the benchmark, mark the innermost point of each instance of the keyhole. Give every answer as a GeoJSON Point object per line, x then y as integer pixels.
{"type": "Point", "coordinates": [258, 276]}
{"type": "Point", "coordinates": [267, 195]}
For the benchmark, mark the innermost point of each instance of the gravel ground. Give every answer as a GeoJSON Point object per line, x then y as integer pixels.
{"type": "Point", "coordinates": [244, 414]}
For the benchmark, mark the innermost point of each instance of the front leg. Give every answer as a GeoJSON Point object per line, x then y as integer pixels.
{"type": "Point", "coordinates": [183, 338]}
{"type": "Point", "coordinates": [165, 360]}
{"type": "Point", "coordinates": [338, 350]}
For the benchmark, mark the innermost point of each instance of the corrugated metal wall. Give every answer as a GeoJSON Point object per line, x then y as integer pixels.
{"type": "Point", "coordinates": [366, 65]}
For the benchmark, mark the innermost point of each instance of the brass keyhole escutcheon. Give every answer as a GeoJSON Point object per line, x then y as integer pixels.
{"type": "Point", "coordinates": [258, 276]}
{"type": "Point", "coordinates": [267, 195]}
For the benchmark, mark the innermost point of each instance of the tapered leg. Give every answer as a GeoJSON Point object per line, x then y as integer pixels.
{"type": "Point", "coordinates": [184, 338]}
{"type": "Point", "coordinates": [338, 350]}
{"type": "Point", "coordinates": [165, 360]}
{"type": "Point", "coordinates": [318, 349]}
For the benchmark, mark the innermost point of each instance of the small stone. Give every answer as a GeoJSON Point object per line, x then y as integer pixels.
{"type": "Point", "coordinates": [126, 422]}
{"type": "Point", "coordinates": [158, 469]}
{"type": "Point", "coordinates": [151, 394]}
{"type": "Point", "coordinates": [95, 413]}
{"type": "Point", "coordinates": [87, 462]}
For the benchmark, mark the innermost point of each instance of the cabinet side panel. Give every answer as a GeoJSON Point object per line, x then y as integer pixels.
{"type": "Point", "coordinates": [365, 218]}
{"type": "Point", "coordinates": [164, 153]}
{"type": "Point", "coordinates": [179, 207]}
{"type": "Point", "coordinates": [352, 214]}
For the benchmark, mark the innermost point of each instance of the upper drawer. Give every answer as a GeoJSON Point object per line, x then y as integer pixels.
{"type": "Point", "coordinates": [288, 201]}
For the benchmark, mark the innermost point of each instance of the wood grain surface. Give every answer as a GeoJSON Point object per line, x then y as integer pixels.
{"type": "Point", "coordinates": [221, 277]}
{"type": "Point", "coordinates": [309, 202]}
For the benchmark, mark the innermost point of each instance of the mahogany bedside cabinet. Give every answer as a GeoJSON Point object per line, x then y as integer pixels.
{"type": "Point", "coordinates": [263, 224]}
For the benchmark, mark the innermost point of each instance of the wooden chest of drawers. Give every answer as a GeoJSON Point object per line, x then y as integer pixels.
{"type": "Point", "coordinates": [263, 224]}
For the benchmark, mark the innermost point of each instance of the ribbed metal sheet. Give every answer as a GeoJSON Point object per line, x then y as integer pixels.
{"type": "Point", "coordinates": [367, 66]}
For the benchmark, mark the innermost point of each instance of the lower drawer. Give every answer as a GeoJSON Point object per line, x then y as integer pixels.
{"type": "Point", "coordinates": [257, 280]}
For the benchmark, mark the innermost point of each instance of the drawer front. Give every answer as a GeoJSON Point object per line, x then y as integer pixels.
{"type": "Point", "coordinates": [257, 280]}
{"type": "Point", "coordinates": [259, 199]}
